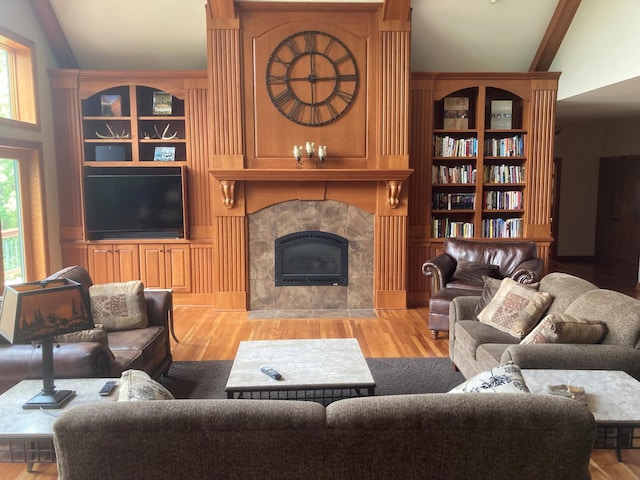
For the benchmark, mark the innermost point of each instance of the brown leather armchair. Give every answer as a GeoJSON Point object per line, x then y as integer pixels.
{"type": "Point", "coordinates": [145, 349]}
{"type": "Point", "coordinates": [517, 260]}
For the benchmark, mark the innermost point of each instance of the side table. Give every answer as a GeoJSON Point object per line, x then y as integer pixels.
{"type": "Point", "coordinates": [26, 436]}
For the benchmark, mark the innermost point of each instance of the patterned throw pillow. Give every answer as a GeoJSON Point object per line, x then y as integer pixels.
{"type": "Point", "coordinates": [506, 378]}
{"type": "Point", "coordinates": [563, 328]}
{"type": "Point", "coordinates": [515, 309]}
{"type": "Point", "coordinates": [138, 385]}
{"type": "Point", "coordinates": [119, 306]}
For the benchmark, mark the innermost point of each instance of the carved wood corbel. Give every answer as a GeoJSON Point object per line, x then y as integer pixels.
{"type": "Point", "coordinates": [227, 188]}
{"type": "Point", "coordinates": [393, 192]}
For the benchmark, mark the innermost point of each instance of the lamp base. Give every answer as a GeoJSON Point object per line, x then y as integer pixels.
{"type": "Point", "coordinates": [56, 399]}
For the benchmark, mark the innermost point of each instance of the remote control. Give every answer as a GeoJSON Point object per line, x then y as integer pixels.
{"type": "Point", "coordinates": [271, 372]}
{"type": "Point", "coordinates": [107, 388]}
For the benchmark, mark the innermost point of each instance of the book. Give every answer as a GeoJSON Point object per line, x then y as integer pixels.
{"type": "Point", "coordinates": [164, 154]}
{"type": "Point", "coordinates": [501, 114]}
{"type": "Point", "coordinates": [111, 105]}
{"type": "Point", "coordinates": [162, 103]}
{"type": "Point", "coordinates": [456, 113]}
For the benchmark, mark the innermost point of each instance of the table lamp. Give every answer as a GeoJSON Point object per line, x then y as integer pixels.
{"type": "Point", "coordinates": [39, 311]}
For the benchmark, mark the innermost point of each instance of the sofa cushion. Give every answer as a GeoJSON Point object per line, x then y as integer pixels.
{"type": "Point", "coordinates": [150, 341]}
{"type": "Point", "coordinates": [515, 309]}
{"type": "Point", "coordinates": [620, 313]}
{"type": "Point", "coordinates": [467, 271]}
{"type": "Point", "coordinates": [137, 385]}
{"type": "Point", "coordinates": [563, 328]}
{"type": "Point", "coordinates": [564, 288]}
{"type": "Point", "coordinates": [119, 306]}
{"type": "Point", "coordinates": [471, 334]}
{"type": "Point", "coordinates": [501, 379]}
{"type": "Point", "coordinates": [97, 334]}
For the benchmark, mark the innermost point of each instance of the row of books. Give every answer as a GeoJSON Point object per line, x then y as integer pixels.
{"type": "Point", "coordinates": [444, 227]}
{"type": "Point", "coordinates": [502, 228]}
{"type": "Point", "coordinates": [499, 200]}
{"type": "Point", "coordinates": [453, 174]}
{"type": "Point", "coordinates": [447, 146]}
{"type": "Point", "coordinates": [454, 201]}
{"type": "Point", "coordinates": [505, 147]}
{"type": "Point", "coordinates": [504, 174]}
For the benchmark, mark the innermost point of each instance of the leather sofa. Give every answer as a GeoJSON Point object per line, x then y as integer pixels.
{"type": "Point", "coordinates": [475, 346]}
{"type": "Point", "coordinates": [517, 260]}
{"type": "Point", "coordinates": [479, 436]}
{"type": "Point", "coordinates": [147, 349]}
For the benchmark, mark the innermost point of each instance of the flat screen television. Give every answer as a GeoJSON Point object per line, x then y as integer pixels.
{"type": "Point", "coordinates": [134, 202]}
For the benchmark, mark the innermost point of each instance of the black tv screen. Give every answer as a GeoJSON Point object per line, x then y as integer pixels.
{"type": "Point", "coordinates": [134, 202]}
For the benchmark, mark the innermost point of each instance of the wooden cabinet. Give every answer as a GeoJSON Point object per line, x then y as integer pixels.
{"type": "Point", "coordinates": [166, 266]}
{"type": "Point", "coordinates": [119, 121]}
{"type": "Point", "coordinates": [479, 172]}
{"type": "Point", "coordinates": [133, 123]}
{"type": "Point", "coordinates": [110, 263]}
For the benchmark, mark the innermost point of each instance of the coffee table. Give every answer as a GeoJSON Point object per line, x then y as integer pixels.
{"type": "Point", "coordinates": [320, 370]}
{"type": "Point", "coordinates": [26, 436]}
{"type": "Point", "coordinates": [613, 397]}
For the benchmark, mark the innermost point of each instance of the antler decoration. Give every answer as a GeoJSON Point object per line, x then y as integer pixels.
{"type": "Point", "coordinates": [112, 134]}
{"type": "Point", "coordinates": [164, 135]}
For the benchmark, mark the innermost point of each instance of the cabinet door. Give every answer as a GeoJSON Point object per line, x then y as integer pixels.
{"type": "Point", "coordinates": [178, 268]}
{"type": "Point", "coordinates": [126, 262]}
{"type": "Point", "coordinates": [101, 263]}
{"type": "Point", "coordinates": [152, 268]}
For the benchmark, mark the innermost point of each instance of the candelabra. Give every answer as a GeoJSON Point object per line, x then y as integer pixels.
{"type": "Point", "coordinates": [310, 149]}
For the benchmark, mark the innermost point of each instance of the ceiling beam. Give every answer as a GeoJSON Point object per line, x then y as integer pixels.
{"type": "Point", "coordinates": [552, 39]}
{"type": "Point", "coordinates": [396, 10]}
{"type": "Point", "coordinates": [48, 21]}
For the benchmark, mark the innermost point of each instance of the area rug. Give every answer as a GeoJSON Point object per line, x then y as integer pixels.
{"type": "Point", "coordinates": [393, 376]}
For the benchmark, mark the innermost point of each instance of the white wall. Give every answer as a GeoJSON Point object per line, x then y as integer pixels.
{"type": "Point", "coordinates": [600, 47]}
{"type": "Point", "coordinates": [17, 16]}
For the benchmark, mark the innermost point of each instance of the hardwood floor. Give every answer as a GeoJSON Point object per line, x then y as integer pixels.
{"type": "Point", "coordinates": [208, 335]}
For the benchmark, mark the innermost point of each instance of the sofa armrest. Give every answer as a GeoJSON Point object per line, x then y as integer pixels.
{"type": "Point", "coordinates": [462, 308]}
{"type": "Point", "coordinates": [70, 360]}
{"type": "Point", "coordinates": [575, 357]}
{"type": "Point", "coordinates": [439, 268]}
{"type": "Point", "coordinates": [529, 271]}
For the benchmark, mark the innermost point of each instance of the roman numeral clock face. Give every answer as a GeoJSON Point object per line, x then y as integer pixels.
{"type": "Point", "coordinates": [312, 78]}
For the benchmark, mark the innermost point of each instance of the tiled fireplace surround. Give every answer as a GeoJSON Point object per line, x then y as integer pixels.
{"type": "Point", "coordinates": [270, 223]}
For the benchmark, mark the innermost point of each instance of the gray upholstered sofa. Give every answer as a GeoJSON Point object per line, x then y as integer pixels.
{"type": "Point", "coordinates": [495, 436]}
{"type": "Point", "coordinates": [476, 346]}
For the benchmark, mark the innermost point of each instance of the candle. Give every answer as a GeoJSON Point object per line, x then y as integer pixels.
{"type": "Point", "coordinates": [322, 151]}
{"type": "Point", "coordinates": [296, 151]}
{"type": "Point", "coordinates": [310, 147]}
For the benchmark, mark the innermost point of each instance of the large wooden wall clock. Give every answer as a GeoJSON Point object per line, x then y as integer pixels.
{"type": "Point", "coordinates": [312, 78]}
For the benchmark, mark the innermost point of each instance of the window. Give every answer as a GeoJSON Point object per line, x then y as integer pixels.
{"type": "Point", "coordinates": [24, 246]}
{"type": "Point", "coordinates": [17, 79]}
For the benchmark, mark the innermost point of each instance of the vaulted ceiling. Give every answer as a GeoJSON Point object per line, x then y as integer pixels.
{"type": "Point", "coordinates": [447, 36]}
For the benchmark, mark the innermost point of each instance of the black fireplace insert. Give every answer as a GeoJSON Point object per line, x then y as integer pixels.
{"type": "Point", "coordinates": [311, 258]}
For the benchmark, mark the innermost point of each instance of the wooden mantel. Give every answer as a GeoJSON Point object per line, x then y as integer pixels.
{"type": "Point", "coordinates": [393, 177]}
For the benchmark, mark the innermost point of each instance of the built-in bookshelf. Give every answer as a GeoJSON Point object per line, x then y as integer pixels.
{"type": "Point", "coordinates": [478, 164]}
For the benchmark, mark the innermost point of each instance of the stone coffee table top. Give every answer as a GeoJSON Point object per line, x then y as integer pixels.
{"type": "Point", "coordinates": [303, 364]}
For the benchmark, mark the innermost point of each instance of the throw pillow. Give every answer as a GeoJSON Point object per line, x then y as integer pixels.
{"type": "Point", "coordinates": [506, 378]}
{"type": "Point", "coordinates": [515, 309]}
{"type": "Point", "coordinates": [467, 271]}
{"type": "Point", "coordinates": [97, 334]}
{"type": "Point", "coordinates": [119, 306]}
{"type": "Point", "coordinates": [562, 328]}
{"type": "Point", "coordinates": [138, 385]}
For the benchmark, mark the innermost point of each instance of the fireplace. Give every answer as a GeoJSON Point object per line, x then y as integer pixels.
{"type": "Point", "coordinates": [311, 258]}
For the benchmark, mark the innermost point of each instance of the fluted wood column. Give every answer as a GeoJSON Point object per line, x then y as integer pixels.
{"type": "Point", "coordinates": [226, 143]}
{"type": "Point", "coordinates": [390, 279]}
